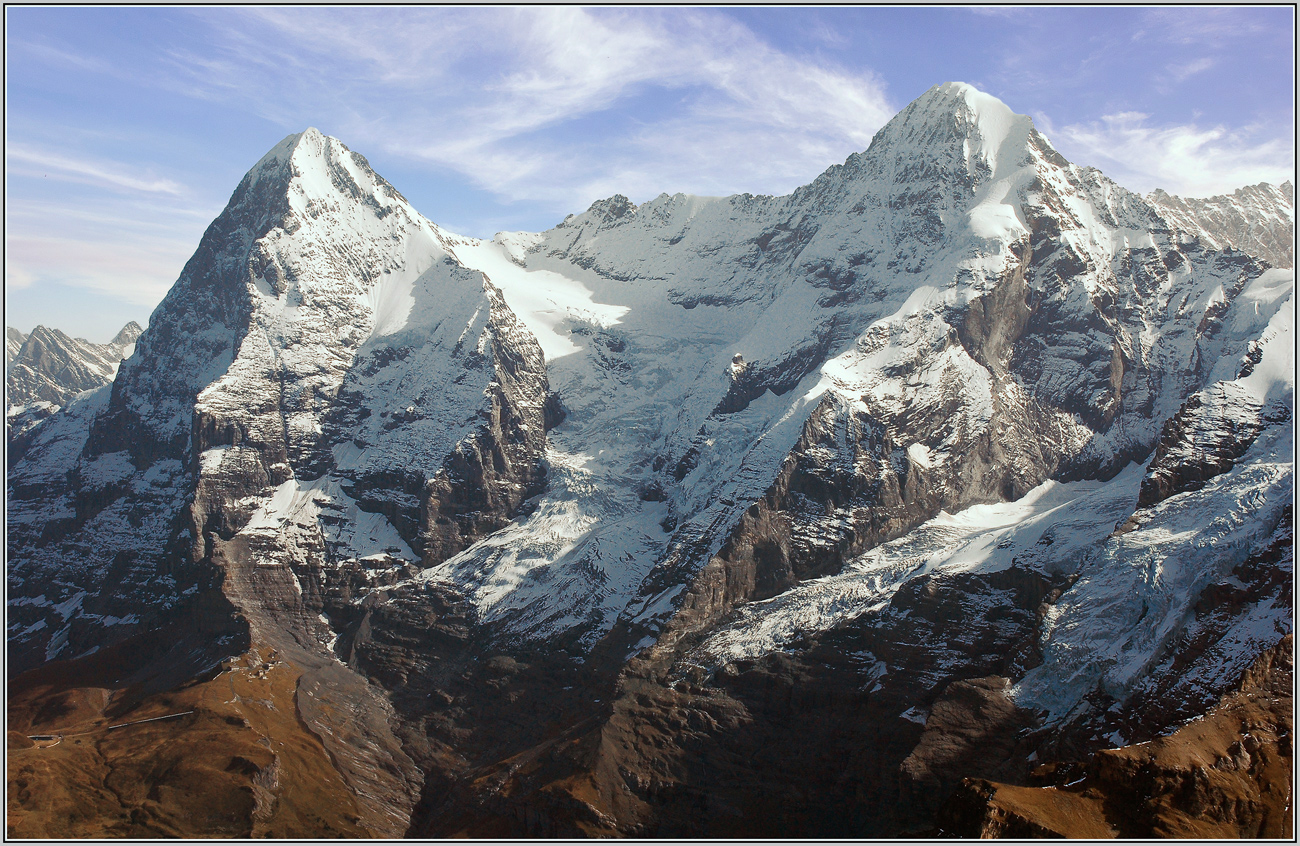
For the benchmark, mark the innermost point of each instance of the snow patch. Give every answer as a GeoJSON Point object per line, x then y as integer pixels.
{"type": "Point", "coordinates": [1077, 516]}
{"type": "Point", "coordinates": [1134, 594]}
{"type": "Point", "coordinates": [298, 506]}
{"type": "Point", "coordinates": [547, 302]}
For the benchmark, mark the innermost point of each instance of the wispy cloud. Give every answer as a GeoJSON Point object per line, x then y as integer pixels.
{"type": "Point", "coordinates": [129, 244]}
{"type": "Point", "coordinates": [1203, 25]}
{"type": "Point", "coordinates": [131, 250]}
{"type": "Point", "coordinates": [1184, 159]}
{"type": "Point", "coordinates": [821, 31]}
{"type": "Point", "coordinates": [1184, 70]}
{"type": "Point", "coordinates": [1166, 81]}
{"type": "Point", "coordinates": [1004, 12]}
{"type": "Point", "coordinates": [105, 174]}
{"type": "Point", "coordinates": [508, 116]}
{"type": "Point", "coordinates": [521, 113]}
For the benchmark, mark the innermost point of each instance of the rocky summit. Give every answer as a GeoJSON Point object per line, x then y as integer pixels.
{"type": "Point", "coordinates": [48, 367]}
{"type": "Point", "coordinates": [873, 510]}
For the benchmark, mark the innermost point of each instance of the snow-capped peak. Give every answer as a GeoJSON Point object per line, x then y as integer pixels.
{"type": "Point", "coordinates": [279, 156]}
{"type": "Point", "coordinates": [283, 152]}
{"type": "Point", "coordinates": [958, 120]}
{"type": "Point", "coordinates": [320, 167]}
{"type": "Point", "coordinates": [128, 335]}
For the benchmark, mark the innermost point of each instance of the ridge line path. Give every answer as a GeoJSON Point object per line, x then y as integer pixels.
{"type": "Point", "coordinates": [59, 737]}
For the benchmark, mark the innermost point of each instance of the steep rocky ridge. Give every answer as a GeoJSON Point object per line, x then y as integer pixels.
{"type": "Point", "coordinates": [1257, 219]}
{"type": "Point", "coordinates": [48, 366]}
{"type": "Point", "coordinates": [13, 343]}
{"type": "Point", "coordinates": [602, 511]}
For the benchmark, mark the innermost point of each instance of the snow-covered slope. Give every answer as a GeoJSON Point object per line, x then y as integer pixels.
{"type": "Point", "coordinates": [1005, 317]}
{"type": "Point", "coordinates": [1218, 489]}
{"type": "Point", "coordinates": [48, 366]}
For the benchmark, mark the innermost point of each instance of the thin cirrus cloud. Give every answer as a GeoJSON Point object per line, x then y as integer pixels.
{"type": "Point", "coordinates": [113, 175]}
{"type": "Point", "coordinates": [112, 237]}
{"type": "Point", "coordinates": [1207, 26]}
{"type": "Point", "coordinates": [1183, 159]}
{"type": "Point", "coordinates": [516, 130]}
{"type": "Point", "coordinates": [1180, 72]}
{"type": "Point", "coordinates": [132, 126]}
{"type": "Point", "coordinates": [132, 253]}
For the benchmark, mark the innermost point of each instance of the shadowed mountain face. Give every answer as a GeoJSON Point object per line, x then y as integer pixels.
{"type": "Point", "coordinates": [742, 516]}
{"type": "Point", "coordinates": [1224, 775]}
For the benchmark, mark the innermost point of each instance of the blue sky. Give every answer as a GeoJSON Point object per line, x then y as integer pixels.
{"type": "Point", "coordinates": [127, 128]}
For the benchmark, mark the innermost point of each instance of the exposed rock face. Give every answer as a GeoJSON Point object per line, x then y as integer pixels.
{"type": "Point", "coordinates": [1216, 426]}
{"type": "Point", "coordinates": [1258, 219]}
{"type": "Point", "coordinates": [561, 533]}
{"type": "Point", "coordinates": [972, 728]}
{"type": "Point", "coordinates": [48, 366]}
{"type": "Point", "coordinates": [490, 474]}
{"type": "Point", "coordinates": [13, 343]}
{"type": "Point", "coordinates": [1223, 775]}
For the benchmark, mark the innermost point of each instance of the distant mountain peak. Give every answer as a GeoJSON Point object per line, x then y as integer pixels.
{"type": "Point", "coordinates": [50, 366]}
{"type": "Point", "coordinates": [42, 333]}
{"type": "Point", "coordinates": [128, 335]}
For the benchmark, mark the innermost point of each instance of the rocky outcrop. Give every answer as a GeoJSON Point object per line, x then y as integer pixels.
{"type": "Point", "coordinates": [1209, 433]}
{"type": "Point", "coordinates": [489, 475]}
{"type": "Point", "coordinates": [1186, 459]}
{"type": "Point", "coordinates": [22, 424]}
{"type": "Point", "coordinates": [1226, 774]}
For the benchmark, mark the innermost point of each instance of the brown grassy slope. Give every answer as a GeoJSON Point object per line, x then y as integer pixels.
{"type": "Point", "coordinates": [1225, 775]}
{"type": "Point", "coordinates": [242, 765]}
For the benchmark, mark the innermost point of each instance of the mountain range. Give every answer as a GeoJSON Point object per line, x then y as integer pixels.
{"type": "Point", "coordinates": [893, 506]}
{"type": "Point", "coordinates": [48, 366]}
